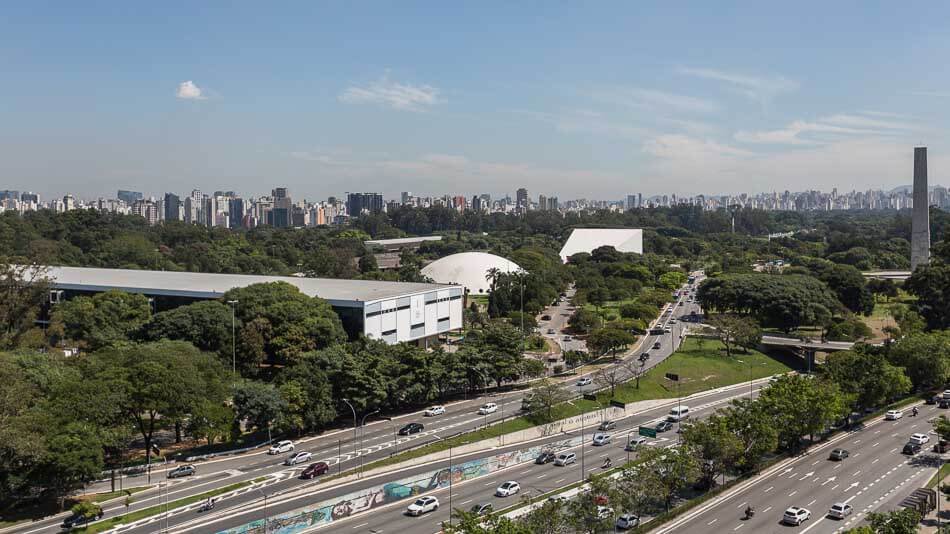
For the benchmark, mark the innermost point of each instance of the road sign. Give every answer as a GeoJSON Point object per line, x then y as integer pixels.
{"type": "Point", "coordinates": [617, 404]}
{"type": "Point", "coordinates": [590, 396]}
{"type": "Point", "coordinates": [647, 431]}
{"type": "Point", "coordinates": [673, 376]}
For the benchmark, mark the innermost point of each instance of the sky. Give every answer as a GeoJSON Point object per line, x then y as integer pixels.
{"type": "Point", "coordinates": [571, 99]}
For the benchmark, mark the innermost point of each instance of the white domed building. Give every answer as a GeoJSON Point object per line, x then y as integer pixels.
{"type": "Point", "coordinates": [468, 269]}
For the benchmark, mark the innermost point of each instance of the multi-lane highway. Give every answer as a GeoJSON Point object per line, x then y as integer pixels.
{"type": "Point", "coordinates": [875, 477]}
{"type": "Point", "coordinates": [346, 448]}
{"type": "Point", "coordinates": [536, 479]}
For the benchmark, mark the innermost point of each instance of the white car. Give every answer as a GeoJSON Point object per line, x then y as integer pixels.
{"type": "Point", "coordinates": [297, 458]}
{"type": "Point", "coordinates": [840, 510]}
{"type": "Point", "coordinates": [435, 410]}
{"type": "Point", "coordinates": [919, 439]}
{"type": "Point", "coordinates": [796, 516]}
{"type": "Point", "coordinates": [281, 447]}
{"type": "Point", "coordinates": [423, 505]}
{"type": "Point", "coordinates": [893, 415]}
{"type": "Point", "coordinates": [507, 489]}
{"type": "Point", "coordinates": [635, 442]}
{"type": "Point", "coordinates": [586, 381]}
{"type": "Point", "coordinates": [601, 439]}
{"type": "Point", "coordinates": [627, 521]}
{"type": "Point", "coordinates": [603, 512]}
{"type": "Point", "coordinates": [488, 408]}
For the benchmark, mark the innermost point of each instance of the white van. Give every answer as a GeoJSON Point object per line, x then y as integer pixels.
{"type": "Point", "coordinates": [678, 414]}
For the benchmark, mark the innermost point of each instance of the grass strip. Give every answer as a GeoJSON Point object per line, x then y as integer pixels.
{"type": "Point", "coordinates": [108, 496]}
{"type": "Point", "coordinates": [155, 510]}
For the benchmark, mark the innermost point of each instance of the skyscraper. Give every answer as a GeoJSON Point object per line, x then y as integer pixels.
{"type": "Point", "coordinates": [357, 203]}
{"type": "Point", "coordinates": [172, 207]}
{"type": "Point", "coordinates": [521, 196]}
{"type": "Point", "coordinates": [920, 221]}
{"type": "Point", "coordinates": [129, 197]}
{"type": "Point", "coordinates": [236, 212]}
{"type": "Point", "coordinates": [281, 215]}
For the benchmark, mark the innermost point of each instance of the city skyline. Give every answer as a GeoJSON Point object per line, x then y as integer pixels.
{"type": "Point", "coordinates": [586, 101]}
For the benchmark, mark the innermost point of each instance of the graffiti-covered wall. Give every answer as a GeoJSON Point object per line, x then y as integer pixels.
{"type": "Point", "coordinates": [411, 486]}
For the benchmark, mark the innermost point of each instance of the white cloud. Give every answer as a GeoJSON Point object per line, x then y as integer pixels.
{"type": "Point", "coordinates": [187, 90]}
{"type": "Point", "coordinates": [826, 130]}
{"type": "Point", "coordinates": [401, 96]}
{"type": "Point", "coordinates": [760, 89]}
{"type": "Point", "coordinates": [695, 165]}
{"type": "Point", "coordinates": [652, 100]}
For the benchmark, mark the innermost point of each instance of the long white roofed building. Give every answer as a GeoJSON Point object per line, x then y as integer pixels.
{"type": "Point", "coordinates": [389, 311]}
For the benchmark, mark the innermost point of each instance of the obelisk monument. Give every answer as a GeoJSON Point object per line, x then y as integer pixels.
{"type": "Point", "coordinates": [920, 222]}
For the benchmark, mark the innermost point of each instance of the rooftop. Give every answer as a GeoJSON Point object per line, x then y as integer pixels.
{"type": "Point", "coordinates": [208, 285]}
{"type": "Point", "coordinates": [403, 240]}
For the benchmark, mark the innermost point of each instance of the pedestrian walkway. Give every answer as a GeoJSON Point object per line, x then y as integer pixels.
{"type": "Point", "coordinates": [929, 525]}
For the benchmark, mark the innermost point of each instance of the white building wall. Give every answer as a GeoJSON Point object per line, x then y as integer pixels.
{"type": "Point", "coordinates": [411, 318]}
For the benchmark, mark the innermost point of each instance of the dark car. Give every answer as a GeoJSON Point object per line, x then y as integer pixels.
{"type": "Point", "coordinates": [932, 400]}
{"type": "Point", "coordinates": [645, 356]}
{"type": "Point", "coordinates": [77, 520]}
{"type": "Point", "coordinates": [411, 428]}
{"type": "Point", "coordinates": [545, 457]}
{"type": "Point", "coordinates": [911, 449]}
{"type": "Point", "coordinates": [545, 317]}
{"type": "Point", "coordinates": [943, 403]}
{"type": "Point", "coordinates": [482, 509]}
{"type": "Point", "coordinates": [182, 471]}
{"type": "Point", "coordinates": [663, 426]}
{"type": "Point", "coordinates": [838, 454]}
{"type": "Point", "coordinates": [656, 345]}
{"type": "Point", "coordinates": [315, 470]}
{"type": "Point", "coordinates": [607, 425]}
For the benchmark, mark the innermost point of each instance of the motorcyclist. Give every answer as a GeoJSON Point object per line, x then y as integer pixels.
{"type": "Point", "coordinates": [914, 411]}
{"type": "Point", "coordinates": [749, 511]}
{"type": "Point", "coordinates": [606, 463]}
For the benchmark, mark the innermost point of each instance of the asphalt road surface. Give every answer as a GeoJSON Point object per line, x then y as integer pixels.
{"type": "Point", "coordinates": [876, 477]}
{"type": "Point", "coordinates": [537, 479]}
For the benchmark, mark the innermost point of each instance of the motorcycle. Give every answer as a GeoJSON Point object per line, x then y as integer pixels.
{"type": "Point", "coordinates": [913, 412]}
{"type": "Point", "coordinates": [749, 513]}
{"type": "Point", "coordinates": [607, 464]}
{"type": "Point", "coordinates": [206, 507]}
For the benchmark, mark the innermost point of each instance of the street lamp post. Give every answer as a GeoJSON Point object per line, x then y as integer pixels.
{"type": "Point", "coordinates": [266, 517]}
{"type": "Point", "coordinates": [233, 351]}
{"type": "Point", "coordinates": [363, 422]}
{"type": "Point", "coordinates": [354, 425]}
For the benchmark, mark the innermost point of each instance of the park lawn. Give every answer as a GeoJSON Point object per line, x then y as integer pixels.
{"type": "Point", "coordinates": [701, 365]}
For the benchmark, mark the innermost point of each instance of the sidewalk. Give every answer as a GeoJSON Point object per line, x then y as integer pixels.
{"type": "Point", "coordinates": [928, 524]}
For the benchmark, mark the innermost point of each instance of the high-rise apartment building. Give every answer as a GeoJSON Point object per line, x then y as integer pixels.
{"type": "Point", "coordinates": [147, 209]}
{"type": "Point", "coordinates": [129, 197]}
{"type": "Point", "coordinates": [405, 198]}
{"type": "Point", "coordinates": [172, 207]}
{"type": "Point", "coordinates": [522, 199]}
{"type": "Point", "coordinates": [282, 213]}
{"type": "Point", "coordinates": [236, 211]}
{"type": "Point", "coordinates": [357, 203]}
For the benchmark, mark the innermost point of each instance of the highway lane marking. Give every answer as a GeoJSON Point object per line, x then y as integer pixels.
{"type": "Point", "coordinates": [856, 473]}
{"type": "Point", "coordinates": [835, 486]}
{"type": "Point", "coordinates": [769, 489]}
{"type": "Point", "coordinates": [558, 481]}
{"type": "Point", "coordinates": [812, 502]}
{"type": "Point", "coordinates": [876, 460]}
{"type": "Point", "coordinates": [816, 462]}
{"type": "Point", "coordinates": [743, 504]}
{"type": "Point", "coordinates": [836, 467]}
{"type": "Point", "coordinates": [737, 528]}
{"type": "Point", "coordinates": [466, 502]}
{"type": "Point", "coordinates": [894, 449]}
{"type": "Point", "coordinates": [525, 472]}
{"type": "Point", "coordinates": [360, 525]}
{"type": "Point", "coordinates": [713, 521]}
{"type": "Point", "coordinates": [876, 444]}
{"type": "Point", "coordinates": [767, 509]}
{"type": "Point", "coordinates": [489, 484]}
{"type": "Point", "coordinates": [792, 494]}
{"type": "Point", "coordinates": [540, 476]}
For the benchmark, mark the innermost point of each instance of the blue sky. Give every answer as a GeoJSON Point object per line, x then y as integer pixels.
{"type": "Point", "coordinates": [577, 99]}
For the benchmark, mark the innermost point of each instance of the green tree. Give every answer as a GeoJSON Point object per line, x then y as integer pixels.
{"type": "Point", "coordinates": [205, 324]}
{"type": "Point", "coordinates": [801, 406]}
{"type": "Point", "coordinates": [753, 426]}
{"type": "Point", "coordinates": [904, 521]}
{"type": "Point", "coordinates": [573, 358]}
{"type": "Point", "coordinates": [715, 445]}
{"type": "Point", "coordinates": [102, 319]}
{"type": "Point", "coordinates": [609, 341]}
{"type": "Point", "coordinates": [924, 357]}
{"type": "Point", "coordinates": [73, 458]}
{"type": "Point", "coordinates": [672, 279]}
{"type": "Point", "coordinates": [582, 320]}
{"type": "Point", "coordinates": [666, 472]}
{"type": "Point", "coordinates": [210, 421]}
{"type": "Point", "coordinates": [23, 290]}
{"type": "Point", "coordinates": [869, 378]}
{"type": "Point", "coordinates": [517, 318]}
{"type": "Point", "coordinates": [544, 397]}
{"type": "Point", "coordinates": [931, 285]}
{"type": "Point", "coordinates": [734, 330]}
{"type": "Point", "coordinates": [157, 383]}
{"type": "Point", "coordinates": [261, 404]}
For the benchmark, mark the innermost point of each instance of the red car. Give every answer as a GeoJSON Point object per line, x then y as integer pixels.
{"type": "Point", "coordinates": [315, 470]}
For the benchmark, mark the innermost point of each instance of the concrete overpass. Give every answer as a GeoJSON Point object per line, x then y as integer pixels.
{"type": "Point", "coordinates": [887, 275]}
{"type": "Point", "coordinates": [807, 344]}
